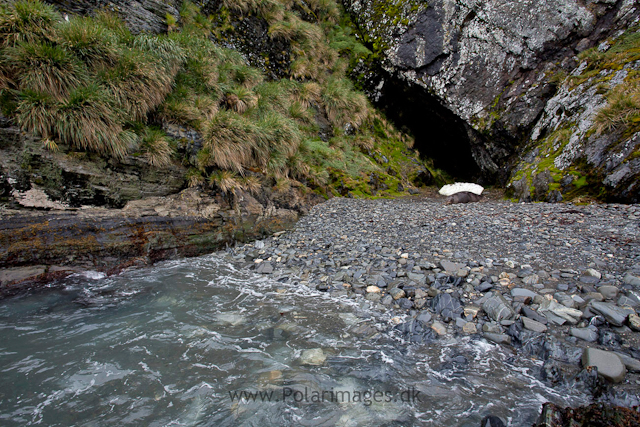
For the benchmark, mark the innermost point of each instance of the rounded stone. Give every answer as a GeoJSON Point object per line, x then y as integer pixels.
{"type": "Point", "coordinates": [609, 364]}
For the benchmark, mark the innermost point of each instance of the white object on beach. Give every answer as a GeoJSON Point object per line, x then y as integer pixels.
{"type": "Point", "coordinates": [458, 187]}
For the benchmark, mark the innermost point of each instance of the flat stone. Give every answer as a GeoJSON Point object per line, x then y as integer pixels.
{"type": "Point", "coordinates": [520, 292]}
{"type": "Point", "coordinates": [530, 313]}
{"type": "Point", "coordinates": [608, 292]}
{"type": "Point", "coordinates": [484, 287]}
{"type": "Point", "coordinates": [451, 267]}
{"type": "Point", "coordinates": [20, 274]}
{"type": "Point", "coordinates": [265, 268]}
{"type": "Point", "coordinates": [463, 272]}
{"type": "Point", "coordinates": [373, 297]}
{"type": "Point", "coordinates": [397, 293]}
{"type": "Point", "coordinates": [593, 273]}
{"type": "Point", "coordinates": [597, 296]}
{"type": "Point", "coordinates": [470, 328]}
{"type": "Point", "coordinates": [626, 301]}
{"type": "Point", "coordinates": [587, 334]}
{"type": "Point", "coordinates": [418, 278]}
{"type": "Point", "coordinates": [634, 322]}
{"type": "Point", "coordinates": [571, 315]}
{"type": "Point", "coordinates": [492, 327]}
{"type": "Point", "coordinates": [497, 308]}
{"type": "Point", "coordinates": [533, 279]}
{"type": "Point", "coordinates": [314, 356]}
{"type": "Point", "coordinates": [471, 310]}
{"type": "Point", "coordinates": [632, 280]}
{"type": "Point", "coordinates": [632, 364]}
{"type": "Point", "coordinates": [532, 325]}
{"type": "Point", "coordinates": [590, 280]}
{"type": "Point", "coordinates": [608, 363]}
{"type": "Point", "coordinates": [439, 328]}
{"type": "Point", "coordinates": [614, 314]}
{"type": "Point", "coordinates": [373, 289]}
{"type": "Point", "coordinates": [424, 317]}
{"type": "Point", "coordinates": [498, 338]}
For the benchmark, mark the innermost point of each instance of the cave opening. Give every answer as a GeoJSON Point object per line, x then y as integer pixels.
{"type": "Point", "coordinates": [439, 134]}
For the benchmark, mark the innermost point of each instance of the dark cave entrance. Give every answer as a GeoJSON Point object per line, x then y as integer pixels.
{"type": "Point", "coordinates": [439, 134]}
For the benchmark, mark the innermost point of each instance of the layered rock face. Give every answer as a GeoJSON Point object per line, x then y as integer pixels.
{"type": "Point", "coordinates": [491, 63]}
{"type": "Point", "coordinates": [140, 15]}
{"type": "Point", "coordinates": [71, 224]}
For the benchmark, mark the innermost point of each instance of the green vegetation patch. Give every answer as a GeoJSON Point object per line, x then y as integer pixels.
{"type": "Point", "coordinates": [89, 84]}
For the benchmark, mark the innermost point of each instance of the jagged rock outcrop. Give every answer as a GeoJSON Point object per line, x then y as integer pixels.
{"type": "Point", "coordinates": [29, 171]}
{"type": "Point", "coordinates": [491, 63]}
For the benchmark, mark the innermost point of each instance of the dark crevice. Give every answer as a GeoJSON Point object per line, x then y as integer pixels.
{"type": "Point", "coordinates": [439, 134]}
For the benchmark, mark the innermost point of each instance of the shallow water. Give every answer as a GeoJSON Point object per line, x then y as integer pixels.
{"type": "Point", "coordinates": [173, 344]}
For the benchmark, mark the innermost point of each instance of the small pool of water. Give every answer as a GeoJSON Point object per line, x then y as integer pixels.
{"type": "Point", "coordinates": [198, 342]}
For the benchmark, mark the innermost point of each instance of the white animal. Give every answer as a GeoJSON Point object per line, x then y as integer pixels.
{"type": "Point", "coordinates": [451, 189]}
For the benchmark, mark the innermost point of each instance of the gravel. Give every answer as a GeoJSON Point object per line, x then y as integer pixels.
{"type": "Point", "coordinates": [474, 269]}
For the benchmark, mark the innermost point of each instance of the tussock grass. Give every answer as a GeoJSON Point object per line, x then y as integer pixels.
{"type": "Point", "coordinates": [89, 40]}
{"type": "Point", "coordinates": [226, 181]}
{"type": "Point", "coordinates": [88, 121]}
{"type": "Point", "coordinates": [136, 84]}
{"type": "Point", "coordinates": [44, 67]}
{"type": "Point", "coordinates": [26, 21]}
{"type": "Point", "coordinates": [194, 177]}
{"type": "Point", "coordinates": [251, 184]}
{"type": "Point", "coordinates": [343, 104]}
{"type": "Point", "coordinates": [156, 147]}
{"type": "Point", "coordinates": [241, 99]}
{"type": "Point", "coordinates": [90, 84]}
{"type": "Point", "coordinates": [622, 110]}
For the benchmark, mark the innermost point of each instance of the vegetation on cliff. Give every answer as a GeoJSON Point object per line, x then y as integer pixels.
{"type": "Point", "coordinates": [90, 84]}
{"type": "Point", "coordinates": [597, 117]}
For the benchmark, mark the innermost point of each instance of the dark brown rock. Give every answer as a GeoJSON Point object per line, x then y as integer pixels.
{"type": "Point", "coordinates": [36, 246]}
{"type": "Point", "coordinates": [463, 197]}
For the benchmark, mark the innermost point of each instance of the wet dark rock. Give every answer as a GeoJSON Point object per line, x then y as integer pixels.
{"type": "Point", "coordinates": [587, 334]}
{"type": "Point", "coordinates": [596, 414]}
{"type": "Point", "coordinates": [551, 373]}
{"type": "Point", "coordinates": [530, 313]}
{"type": "Point", "coordinates": [492, 421]}
{"type": "Point", "coordinates": [416, 331]}
{"type": "Point", "coordinates": [447, 306]}
{"type": "Point", "coordinates": [613, 314]}
{"type": "Point", "coordinates": [609, 339]}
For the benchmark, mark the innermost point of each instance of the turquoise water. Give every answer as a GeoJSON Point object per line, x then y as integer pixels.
{"type": "Point", "coordinates": [177, 344]}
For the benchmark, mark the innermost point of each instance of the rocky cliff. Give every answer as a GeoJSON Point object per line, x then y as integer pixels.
{"type": "Point", "coordinates": [498, 68]}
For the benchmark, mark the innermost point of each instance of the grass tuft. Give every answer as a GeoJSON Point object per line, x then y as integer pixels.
{"type": "Point", "coordinates": [26, 21]}
{"type": "Point", "coordinates": [156, 148]}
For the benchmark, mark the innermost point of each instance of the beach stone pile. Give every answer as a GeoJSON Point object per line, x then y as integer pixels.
{"type": "Point", "coordinates": [559, 282]}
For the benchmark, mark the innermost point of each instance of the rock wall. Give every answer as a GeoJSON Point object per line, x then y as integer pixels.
{"type": "Point", "coordinates": [140, 15]}
{"type": "Point", "coordinates": [66, 212]}
{"type": "Point", "coordinates": [491, 63]}
{"type": "Point", "coordinates": [38, 246]}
